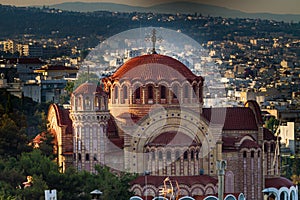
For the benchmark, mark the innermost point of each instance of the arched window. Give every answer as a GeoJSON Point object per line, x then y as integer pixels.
{"type": "Point", "coordinates": [160, 155]}
{"type": "Point", "coordinates": [87, 157]}
{"type": "Point", "coordinates": [137, 93]}
{"type": "Point", "coordinates": [80, 103]}
{"type": "Point", "coordinates": [252, 154]}
{"type": "Point", "coordinates": [244, 154]}
{"type": "Point", "coordinates": [229, 182]}
{"type": "Point", "coordinates": [175, 92]}
{"type": "Point", "coordinates": [272, 147]}
{"type": "Point", "coordinates": [194, 91]}
{"type": "Point", "coordinates": [125, 94]}
{"type": "Point", "coordinates": [153, 155]}
{"type": "Point", "coordinates": [162, 92]}
{"type": "Point", "coordinates": [197, 155]}
{"type": "Point", "coordinates": [186, 91]}
{"type": "Point", "coordinates": [116, 92]}
{"type": "Point", "coordinates": [150, 91]}
{"type": "Point", "coordinates": [266, 147]}
{"type": "Point", "coordinates": [96, 102]}
{"type": "Point", "coordinates": [192, 155]}
{"type": "Point", "coordinates": [177, 155]}
{"type": "Point", "coordinates": [168, 155]}
{"type": "Point", "coordinates": [185, 155]}
{"type": "Point", "coordinates": [87, 103]}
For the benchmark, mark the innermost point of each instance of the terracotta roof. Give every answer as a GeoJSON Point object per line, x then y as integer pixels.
{"type": "Point", "coordinates": [268, 135]}
{"type": "Point", "coordinates": [229, 143]}
{"type": "Point", "coordinates": [278, 182]}
{"type": "Point", "coordinates": [236, 118]}
{"type": "Point", "coordinates": [249, 144]}
{"type": "Point", "coordinates": [186, 180]}
{"type": "Point", "coordinates": [119, 142]}
{"type": "Point", "coordinates": [172, 139]}
{"type": "Point", "coordinates": [87, 88]}
{"type": "Point", "coordinates": [257, 112]}
{"type": "Point", "coordinates": [154, 67]}
{"type": "Point", "coordinates": [63, 118]}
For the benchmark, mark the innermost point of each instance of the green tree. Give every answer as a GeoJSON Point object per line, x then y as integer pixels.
{"type": "Point", "coordinates": [13, 140]}
{"type": "Point", "coordinates": [272, 124]}
{"type": "Point", "coordinates": [46, 145]}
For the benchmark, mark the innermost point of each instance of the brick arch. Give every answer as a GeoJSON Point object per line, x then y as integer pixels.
{"type": "Point", "coordinates": [209, 190]}
{"type": "Point", "coordinates": [136, 189]}
{"type": "Point", "coordinates": [197, 190]}
{"type": "Point", "coordinates": [184, 190]}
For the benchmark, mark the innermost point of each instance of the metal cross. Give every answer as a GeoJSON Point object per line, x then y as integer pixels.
{"type": "Point", "coordinates": [153, 38]}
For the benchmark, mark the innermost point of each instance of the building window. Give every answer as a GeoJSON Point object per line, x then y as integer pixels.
{"type": "Point", "coordinates": [252, 154]}
{"type": "Point", "coordinates": [87, 157]}
{"type": "Point", "coordinates": [168, 155]}
{"type": "Point", "coordinates": [244, 154]}
{"type": "Point", "coordinates": [137, 93]}
{"type": "Point", "coordinates": [229, 182]}
{"type": "Point", "coordinates": [162, 92]}
{"type": "Point", "coordinates": [116, 92]}
{"type": "Point", "coordinates": [153, 155]}
{"type": "Point", "coordinates": [194, 91]}
{"type": "Point", "coordinates": [160, 156]}
{"type": "Point", "coordinates": [192, 155]}
{"type": "Point", "coordinates": [74, 156]}
{"type": "Point", "coordinates": [125, 94]}
{"type": "Point", "coordinates": [177, 155]}
{"type": "Point", "coordinates": [79, 157]}
{"type": "Point", "coordinates": [186, 91]}
{"type": "Point", "coordinates": [197, 155]}
{"type": "Point", "coordinates": [175, 91]}
{"type": "Point", "coordinates": [87, 102]}
{"type": "Point", "coordinates": [185, 155]}
{"type": "Point", "coordinates": [150, 92]}
{"type": "Point", "coordinates": [95, 157]}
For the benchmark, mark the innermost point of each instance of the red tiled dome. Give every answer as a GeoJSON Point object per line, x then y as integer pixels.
{"type": "Point", "coordinates": [154, 67]}
{"type": "Point", "coordinates": [87, 88]}
{"type": "Point", "coordinates": [278, 182]}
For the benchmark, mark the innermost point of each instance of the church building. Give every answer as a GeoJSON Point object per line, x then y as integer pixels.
{"type": "Point", "coordinates": [148, 118]}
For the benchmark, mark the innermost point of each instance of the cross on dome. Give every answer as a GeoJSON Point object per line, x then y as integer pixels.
{"type": "Point", "coordinates": [153, 38]}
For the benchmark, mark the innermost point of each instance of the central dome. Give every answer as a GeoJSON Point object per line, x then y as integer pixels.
{"type": "Point", "coordinates": [154, 67]}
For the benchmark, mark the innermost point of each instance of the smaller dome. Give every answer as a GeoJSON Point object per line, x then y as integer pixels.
{"type": "Point", "coordinates": [88, 88]}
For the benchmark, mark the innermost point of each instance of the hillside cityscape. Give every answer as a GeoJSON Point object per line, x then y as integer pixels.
{"type": "Point", "coordinates": [46, 54]}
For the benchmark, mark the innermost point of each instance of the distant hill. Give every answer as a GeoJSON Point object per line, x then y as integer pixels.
{"type": "Point", "coordinates": [174, 7]}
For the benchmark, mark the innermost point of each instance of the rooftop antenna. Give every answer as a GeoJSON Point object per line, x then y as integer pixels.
{"type": "Point", "coordinates": [153, 38]}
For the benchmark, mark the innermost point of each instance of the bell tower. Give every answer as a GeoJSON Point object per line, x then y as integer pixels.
{"type": "Point", "coordinates": [90, 115]}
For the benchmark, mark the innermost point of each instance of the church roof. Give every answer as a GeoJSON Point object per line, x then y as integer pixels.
{"type": "Point", "coordinates": [63, 118]}
{"type": "Point", "coordinates": [278, 182]}
{"type": "Point", "coordinates": [154, 67]}
{"type": "Point", "coordinates": [172, 139]}
{"type": "Point", "coordinates": [87, 88]}
{"type": "Point", "coordinates": [268, 135]}
{"type": "Point", "coordinates": [235, 118]}
{"type": "Point", "coordinates": [185, 180]}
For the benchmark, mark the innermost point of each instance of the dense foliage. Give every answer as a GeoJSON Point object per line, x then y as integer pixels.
{"type": "Point", "coordinates": [19, 160]}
